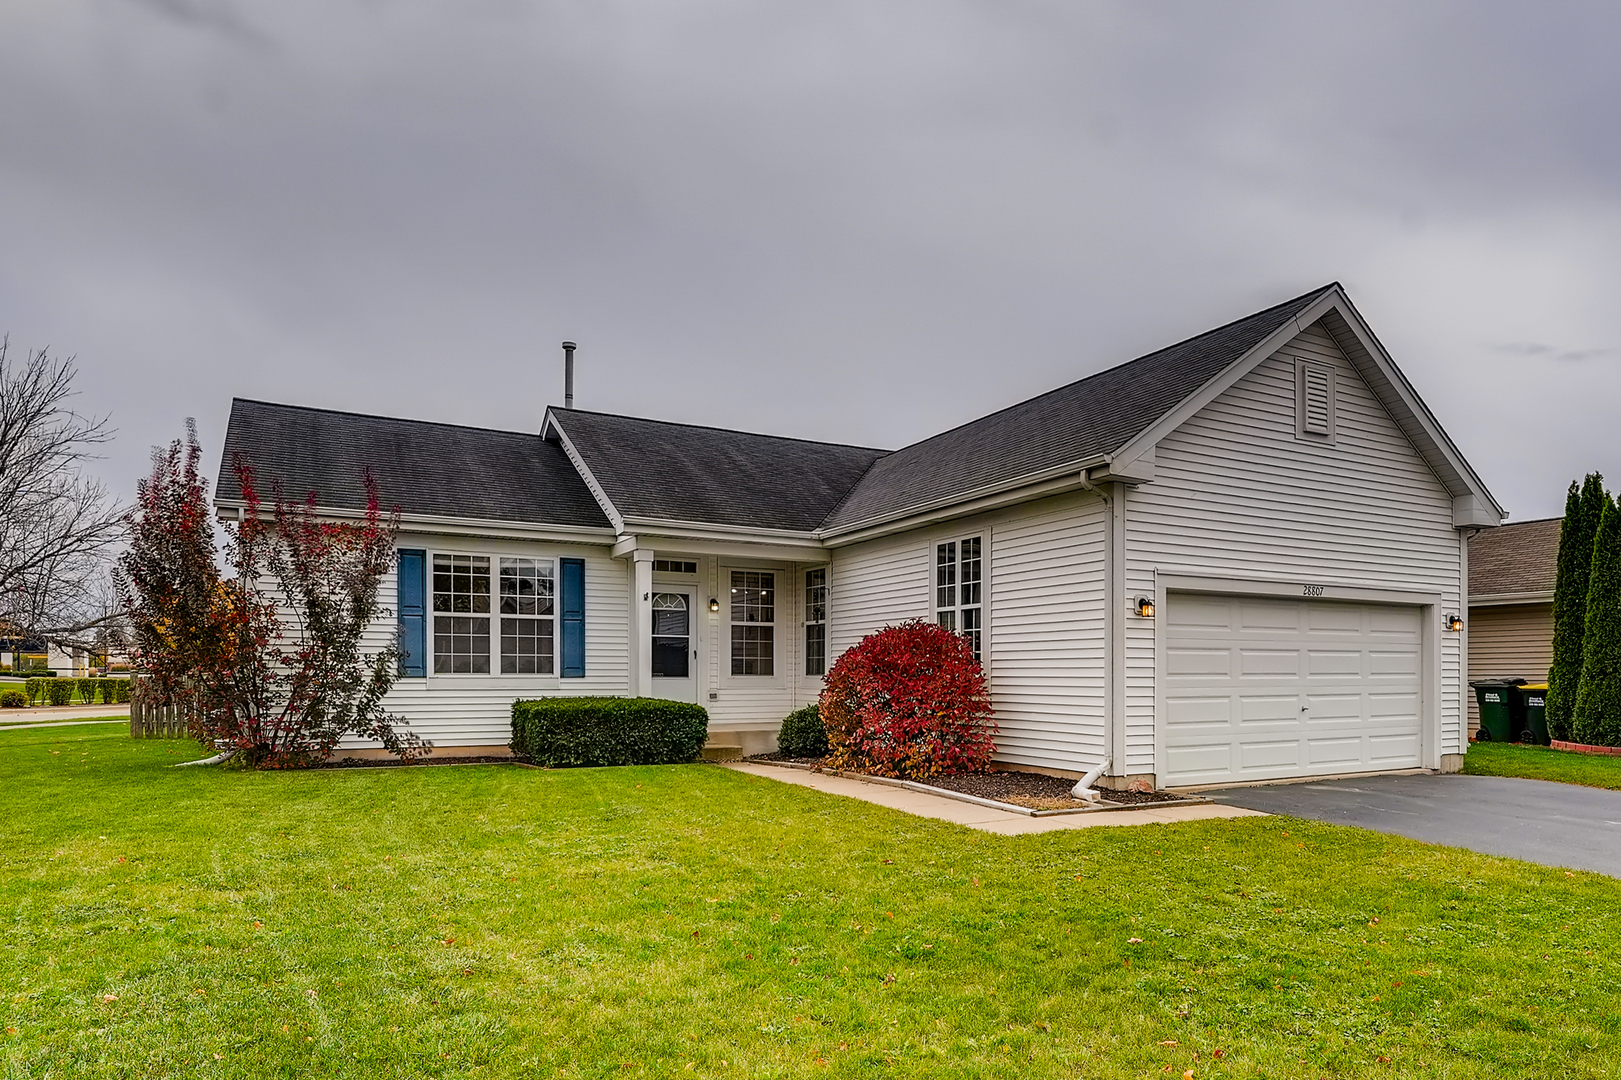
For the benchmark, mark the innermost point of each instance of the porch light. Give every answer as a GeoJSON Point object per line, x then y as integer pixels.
{"type": "Point", "coordinates": [714, 604]}
{"type": "Point", "coordinates": [1145, 607]}
{"type": "Point", "coordinates": [1455, 624]}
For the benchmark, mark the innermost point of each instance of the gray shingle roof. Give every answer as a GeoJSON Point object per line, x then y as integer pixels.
{"type": "Point", "coordinates": [425, 468]}
{"type": "Point", "coordinates": [1520, 557]}
{"type": "Point", "coordinates": [1095, 415]}
{"type": "Point", "coordinates": [681, 472]}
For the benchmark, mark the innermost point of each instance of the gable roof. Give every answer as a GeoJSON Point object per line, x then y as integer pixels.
{"type": "Point", "coordinates": [429, 469]}
{"type": "Point", "coordinates": [653, 470]}
{"type": "Point", "coordinates": [1522, 557]}
{"type": "Point", "coordinates": [1072, 425]}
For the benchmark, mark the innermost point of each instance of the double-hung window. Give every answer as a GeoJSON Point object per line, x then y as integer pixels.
{"type": "Point", "coordinates": [754, 613]}
{"type": "Point", "coordinates": [816, 621]}
{"type": "Point", "coordinates": [959, 568]}
{"type": "Point", "coordinates": [528, 614]}
{"type": "Point", "coordinates": [461, 614]}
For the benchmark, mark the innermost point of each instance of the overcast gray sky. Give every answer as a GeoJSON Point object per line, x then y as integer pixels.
{"type": "Point", "coordinates": [862, 221]}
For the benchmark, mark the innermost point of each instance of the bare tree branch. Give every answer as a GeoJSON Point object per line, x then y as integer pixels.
{"type": "Point", "coordinates": [57, 526]}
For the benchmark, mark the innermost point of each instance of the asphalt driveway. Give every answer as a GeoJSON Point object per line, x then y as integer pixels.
{"type": "Point", "coordinates": [1535, 820]}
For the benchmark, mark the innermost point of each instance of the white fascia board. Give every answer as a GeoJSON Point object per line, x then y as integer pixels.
{"type": "Point", "coordinates": [1538, 596]}
{"type": "Point", "coordinates": [734, 547]}
{"type": "Point", "coordinates": [702, 530]}
{"type": "Point", "coordinates": [447, 525]}
{"type": "Point", "coordinates": [1142, 447]}
{"type": "Point", "coordinates": [1409, 404]}
{"type": "Point", "coordinates": [1398, 397]}
{"type": "Point", "coordinates": [1073, 477]}
{"type": "Point", "coordinates": [1034, 485]}
{"type": "Point", "coordinates": [548, 427]}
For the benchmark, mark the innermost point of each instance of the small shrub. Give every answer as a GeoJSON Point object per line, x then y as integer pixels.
{"type": "Point", "coordinates": [87, 691]}
{"type": "Point", "coordinates": [608, 731]}
{"type": "Point", "coordinates": [13, 699]}
{"type": "Point", "coordinates": [802, 734]}
{"type": "Point", "coordinates": [105, 689]}
{"type": "Point", "coordinates": [909, 701]}
{"type": "Point", "coordinates": [38, 688]}
{"type": "Point", "coordinates": [60, 691]}
{"type": "Point", "coordinates": [120, 691]}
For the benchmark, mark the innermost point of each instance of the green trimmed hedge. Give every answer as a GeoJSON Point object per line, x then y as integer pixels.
{"type": "Point", "coordinates": [608, 731]}
{"type": "Point", "coordinates": [48, 689]}
{"type": "Point", "coordinates": [802, 734]}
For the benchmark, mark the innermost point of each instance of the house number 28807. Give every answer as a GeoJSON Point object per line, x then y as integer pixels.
{"type": "Point", "coordinates": [1311, 590]}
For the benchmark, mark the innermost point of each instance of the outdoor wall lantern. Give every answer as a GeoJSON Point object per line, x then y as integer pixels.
{"type": "Point", "coordinates": [1455, 624]}
{"type": "Point", "coordinates": [1145, 607]}
{"type": "Point", "coordinates": [714, 604]}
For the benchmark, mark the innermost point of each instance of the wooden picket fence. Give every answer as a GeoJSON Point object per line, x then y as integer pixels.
{"type": "Point", "coordinates": [151, 719]}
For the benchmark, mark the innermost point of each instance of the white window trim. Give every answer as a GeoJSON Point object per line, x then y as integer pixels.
{"type": "Point", "coordinates": [1302, 365]}
{"type": "Point", "coordinates": [984, 605]}
{"type": "Point", "coordinates": [804, 621]}
{"type": "Point", "coordinates": [495, 555]}
{"type": "Point", "coordinates": [782, 657]}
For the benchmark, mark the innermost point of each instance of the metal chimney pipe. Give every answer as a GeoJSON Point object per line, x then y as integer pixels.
{"type": "Point", "coordinates": [568, 374]}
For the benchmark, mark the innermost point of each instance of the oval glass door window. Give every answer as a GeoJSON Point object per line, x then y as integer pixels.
{"type": "Point", "coordinates": [672, 635]}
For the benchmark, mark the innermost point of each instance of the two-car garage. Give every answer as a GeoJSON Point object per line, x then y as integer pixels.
{"type": "Point", "coordinates": [1266, 687]}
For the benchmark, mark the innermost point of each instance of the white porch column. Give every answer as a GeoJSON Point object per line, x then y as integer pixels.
{"type": "Point", "coordinates": [641, 623]}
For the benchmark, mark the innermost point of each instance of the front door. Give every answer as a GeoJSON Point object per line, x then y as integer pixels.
{"type": "Point", "coordinates": [675, 657]}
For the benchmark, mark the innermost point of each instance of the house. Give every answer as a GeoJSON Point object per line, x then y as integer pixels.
{"type": "Point", "coordinates": [1237, 558]}
{"type": "Point", "coordinates": [1511, 578]}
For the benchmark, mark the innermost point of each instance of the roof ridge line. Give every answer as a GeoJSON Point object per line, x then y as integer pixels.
{"type": "Point", "coordinates": [713, 427]}
{"type": "Point", "coordinates": [380, 416]}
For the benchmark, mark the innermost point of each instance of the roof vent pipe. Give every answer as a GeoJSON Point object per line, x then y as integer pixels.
{"type": "Point", "coordinates": [568, 374]}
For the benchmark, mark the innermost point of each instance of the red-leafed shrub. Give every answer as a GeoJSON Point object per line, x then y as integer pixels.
{"type": "Point", "coordinates": [909, 701]}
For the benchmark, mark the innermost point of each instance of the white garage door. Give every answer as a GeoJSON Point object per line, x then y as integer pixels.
{"type": "Point", "coordinates": [1258, 689]}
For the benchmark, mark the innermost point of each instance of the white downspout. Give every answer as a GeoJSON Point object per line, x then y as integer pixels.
{"type": "Point", "coordinates": [1083, 788]}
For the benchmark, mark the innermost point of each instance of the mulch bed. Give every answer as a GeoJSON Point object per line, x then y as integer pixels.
{"type": "Point", "coordinates": [1032, 790]}
{"type": "Point", "coordinates": [1036, 791]}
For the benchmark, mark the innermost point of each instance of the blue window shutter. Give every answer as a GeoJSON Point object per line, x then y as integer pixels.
{"type": "Point", "coordinates": [572, 572]}
{"type": "Point", "coordinates": [413, 615]}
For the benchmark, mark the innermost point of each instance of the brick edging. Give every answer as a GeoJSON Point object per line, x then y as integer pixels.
{"type": "Point", "coordinates": [1584, 748]}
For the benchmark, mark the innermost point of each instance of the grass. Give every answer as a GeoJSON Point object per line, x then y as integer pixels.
{"type": "Point", "coordinates": [694, 922]}
{"type": "Point", "coordinates": [1542, 763]}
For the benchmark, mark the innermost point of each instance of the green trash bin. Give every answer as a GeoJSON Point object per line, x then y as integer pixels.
{"type": "Point", "coordinates": [1533, 707]}
{"type": "Point", "coordinates": [1499, 703]}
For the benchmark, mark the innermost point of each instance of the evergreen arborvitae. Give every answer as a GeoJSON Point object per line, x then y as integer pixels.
{"type": "Point", "coordinates": [1597, 721]}
{"type": "Point", "coordinates": [1576, 532]}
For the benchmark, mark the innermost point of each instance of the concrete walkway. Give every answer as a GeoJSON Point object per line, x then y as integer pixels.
{"type": "Point", "coordinates": [44, 714]}
{"type": "Point", "coordinates": [984, 817]}
{"type": "Point", "coordinates": [61, 723]}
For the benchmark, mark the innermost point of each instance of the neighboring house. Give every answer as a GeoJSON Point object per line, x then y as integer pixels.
{"type": "Point", "coordinates": [1511, 577]}
{"type": "Point", "coordinates": [1236, 558]}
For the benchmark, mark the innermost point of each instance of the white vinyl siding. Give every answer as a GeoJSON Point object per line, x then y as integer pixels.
{"type": "Point", "coordinates": [1511, 641]}
{"type": "Point", "coordinates": [1046, 640]}
{"type": "Point", "coordinates": [1238, 495]}
{"type": "Point", "coordinates": [477, 711]}
{"type": "Point", "coordinates": [1043, 597]}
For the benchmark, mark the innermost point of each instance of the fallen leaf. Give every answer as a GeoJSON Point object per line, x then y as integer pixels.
{"type": "Point", "coordinates": [109, 997]}
{"type": "Point", "coordinates": [1168, 1042]}
{"type": "Point", "coordinates": [1134, 941]}
{"type": "Point", "coordinates": [1188, 1075]}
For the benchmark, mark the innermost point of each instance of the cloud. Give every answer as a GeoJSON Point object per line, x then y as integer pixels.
{"type": "Point", "coordinates": [216, 16]}
{"type": "Point", "coordinates": [1552, 352]}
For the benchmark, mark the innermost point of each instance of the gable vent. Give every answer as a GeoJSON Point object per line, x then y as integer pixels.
{"type": "Point", "coordinates": [1315, 400]}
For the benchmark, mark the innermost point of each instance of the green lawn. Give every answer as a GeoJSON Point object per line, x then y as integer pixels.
{"type": "Point", "coordinates": [1542, 763]}
{"type": "Point", "coordinates": [692, 922]}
